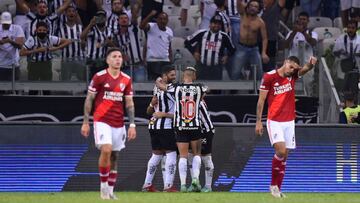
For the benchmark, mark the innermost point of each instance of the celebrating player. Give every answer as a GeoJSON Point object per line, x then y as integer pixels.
{"type": "Point", "coordinates": [278, 86]}
{"type": "Point", "coordinates": [187, 123]}
{"type": "Point", "coordinates": [107, 89]}
{"type": "Point", "coordinates": [162, 134]}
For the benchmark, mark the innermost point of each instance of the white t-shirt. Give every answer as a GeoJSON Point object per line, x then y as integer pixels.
{"type": "Point", "coordinates": [158, 43]}
{"type": "Point", "coordinates": [346, 50]}
{"type": "Point", "coordinates": [9, 55]}
{"type": "Point", "coordinates": [300, 43]}
{"type": "Point", "coordinates": [209, 11]}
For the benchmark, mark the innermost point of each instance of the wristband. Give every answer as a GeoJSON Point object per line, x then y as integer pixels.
{"type": "Point", "coordinates": [132, 125]}
{"type": "Point", "coordinates": [151, 105]}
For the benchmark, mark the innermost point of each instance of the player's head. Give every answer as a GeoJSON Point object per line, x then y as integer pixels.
{"type": "Point", "coordinates": [253, 7]}
{"type": "Point", "coordinates": [351, 28]}
{"type": "Point", "coordinates": [123, 19]}
{"type": "Point", "coordinates": [162, 20]}
{"type": "Point", "coordinates": [189, 73]}
{"type": "Point", "coordinates": [114, 58]}
{"type": "Point", "coordinates": [215, 23]}
{"type": "Point", "coordinates": [291, 65]}
{"type": "Point", "coordinates": [168, 74]}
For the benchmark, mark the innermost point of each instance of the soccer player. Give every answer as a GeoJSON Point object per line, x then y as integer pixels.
{"type": "Point", "coordinates": [108, 90]}
{"type": "Point", "coordinates": [187, 122]}
{"type": "Point", "coordinates": [207, 134]}
{"type": "Point", "coordinates": [162, 134]}
{"type": "Point", "coordinates": [278, 86]}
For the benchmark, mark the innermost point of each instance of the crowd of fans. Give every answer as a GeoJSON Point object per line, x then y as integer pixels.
{"type": "Point", "coordinates": [233, 37]}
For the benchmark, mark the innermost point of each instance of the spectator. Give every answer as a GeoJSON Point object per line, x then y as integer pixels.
{"type": "Point", "coordinates": [11, 39]}
{"type": "Point", "coordinates": [108, 6]}
{"type": "Point", "coordinates": [207, 10]}
{"type": "Point", "coordinates": [39, 48]}
{"type": "Point", "coordinates": [97, 38]}
{"type": "Point", "coordinates": [128, 39]}
{"type": "Point", "coordinates": [221, 11]}
{"type": "Point", "coordinates": [346, 8]}
{"type": "Point", "coordinates": [272, 16]}
{"type": "Point", "coordinates": [331, 9]}
{"type": "Point", "coordinates": [301, 42]}
{"type": "Point", "coordinates": [72, 55]}
{"type": "Point", "coordinates": [347, 49]}
{"type": "Point", "coordinates": [158, 45]}
{"type": "Point", "coordinates": [248, 50]}
{"type": "Point", "coordinates": [146, 7]}
{"type": "Point", "coordinates": [351, 112]}
{"type": "Point", "coordinates": [289, 5]}
{"type": "Point", "coordinates": [208, 47]}
{"type": "Point", "coordinates": [20, 17]}
{"type": "Point", "coordinates": [312, 7]}
{"type": "Point", "coordinates": [117, 7]}
{"type": "Point", "coordinates": [185, 6]}
{"type": "Point", "coordinates": [42, 15]}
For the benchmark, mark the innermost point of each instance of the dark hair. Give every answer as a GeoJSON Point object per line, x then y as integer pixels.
{"type": "Point", "coordinates": [304, 13]}
{"type": "Point", "coordinates": [259, 2]}
{"type": "Point", "coordinates": [219, 3]}
{"type": "Point", "coordinates": [353, 22]}
{"type": "Point", "coordinates": [41, 24]}
{"type": "Point", "coordinates": [294, 59]}
{"type": "Point", "coordinates": [112, 49]}
{"type": "Point", "coordinates": [112, 1]}
{"type": "Point", "coordinates": [123, 14]}
{"type": "Point", "coordinates": [349, 96]}
{"type": "Point", "coordinates": [167, 68]}
{"type": "Point", "coordinates": [100, 12]}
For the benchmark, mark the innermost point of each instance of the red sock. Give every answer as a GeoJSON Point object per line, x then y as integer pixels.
{"type": "Point", "coordinates": [276, 167]}
{"type": "Point", "coordinates": [112, 178]}
{"type": "Point", "coordinates": [104, 173]}
{"type": "Point", "coordinates": [281, 173]}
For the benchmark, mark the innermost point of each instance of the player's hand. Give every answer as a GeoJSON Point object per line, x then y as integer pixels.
{"type": "Point", "coordinates": [131, 133]}
{"type": "Point", "coordinates": [158, 114]}
{"type": "Point", "coordinates": [265, 58]}
{"type": "Point", "coordinates": [197, 56]}
{"type": "Point", "coordinates": [85, 129]}
{"type": "Point", "coordinates": [313, 60]}
{"type": "Point", "coordinates": [259, 130]}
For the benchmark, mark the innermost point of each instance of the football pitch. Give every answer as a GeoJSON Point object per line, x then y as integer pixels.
{"type": "Point", "coordinates": [139, 197]}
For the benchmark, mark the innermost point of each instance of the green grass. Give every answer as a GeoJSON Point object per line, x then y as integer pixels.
{"type": "Point", "coordinates": [216, 197]}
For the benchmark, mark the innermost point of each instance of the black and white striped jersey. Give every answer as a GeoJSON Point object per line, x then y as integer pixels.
{"type": "Point", "coordinates": [232, 9]}
{"type": "Point", "coordinates": [206, 123]}
{"type": "Point", "coordinates": [210, 45]}
{"type": "Point", "coordinates": [226, 24]}
{"type": "Point", "coordinates": [50, 20]}
{"type": "Point", "coordinates": [96, 43]}
{"type": "Point", "coordinates": [34, 43]}
{"type": "Point", "coordinates": [112, 21]}
{"type": "Point", "coordinates": [73, 33]}
{"type": "Point", "coordinates": [129, 43]}
{"type": "Point", "coordinates": [166, 104]}
{"type": "Point", "coordinates": [187, 103]}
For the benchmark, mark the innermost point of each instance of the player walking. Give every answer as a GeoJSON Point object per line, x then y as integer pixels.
{"type": "Point", "coordinates": [278, 86]}
{"type": "Point", "coordinates": [108, 90]}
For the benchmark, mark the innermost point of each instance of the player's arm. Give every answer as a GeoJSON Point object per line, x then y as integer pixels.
{"type": "Point", "coordinates": [259, 110]}
{"type": "Point", "coordinates": [150, 109]}
{"type": "Point", "coordinates": [130, 110]}
{"type": "Point", "coordinates": [308, 66]}
{"type": "Point", "coordinates": [160, 84]}
{"type": "Point", "coordinates": [163, 115]}
{"type": "Point", "coordinates": [85, 128]}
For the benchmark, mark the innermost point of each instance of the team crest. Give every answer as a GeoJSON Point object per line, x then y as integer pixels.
{"type": "Point", "coordinates": [122, 86]}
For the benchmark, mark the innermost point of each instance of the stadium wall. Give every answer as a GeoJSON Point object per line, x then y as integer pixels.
{"type": "Point", "coordinates": [55, 157]}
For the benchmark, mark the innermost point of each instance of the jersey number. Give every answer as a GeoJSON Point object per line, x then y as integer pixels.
{"type": "Point", "coordinates": [188, 109]}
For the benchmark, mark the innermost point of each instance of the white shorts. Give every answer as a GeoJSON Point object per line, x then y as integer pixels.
{"type": "Point", "coordinates": [105, 134]}
{"type": "Point", "coordinates": [282, 132]}
{"type": "Point", "coordinates": [347, 4]}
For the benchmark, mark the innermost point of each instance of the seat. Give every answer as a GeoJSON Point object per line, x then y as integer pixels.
{"type": "Point", "coordinates": [327, 32]}
{"type": "Point", "coordinates": [186, 58]}
{"type": "Point", "coordinates": [315, 22]}
{"type": "Point", "coordinates": [172, 10]}
{"type": "Point", "coordinates": [183, 31]}
{"type": "Point", "coordinates": [325, 45]}
{"type": "Point", "coordinates": [338, 23]}
{"type": "Point", "coordinates": [4, 4]}
{"type": "Point", "coordinates": [174, 22]}
{"type": "Point", "coordinates": [177, 43]}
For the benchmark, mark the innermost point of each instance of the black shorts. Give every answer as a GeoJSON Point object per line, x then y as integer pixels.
{"type": "Point", "coordinates": [163, 139]}
{"type": "Point", "coordinates": [187, 135]}
{"type": "Point", "coordinates": [206, 142]}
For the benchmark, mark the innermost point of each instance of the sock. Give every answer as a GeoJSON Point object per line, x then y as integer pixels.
{"type": "Point", "coordinates": [182, 170]}
{"type": "Point", "coordinates": [112, 181]}
{"type": "Point", "coordinates": [196, 166]}
{"type": "Point", "coordinates": [190, 160]}
{"type": "Point", "coordinates": [104, 175]}
{"type": "Point", "coordinates": [151, 169]}
{"type": "Point", "coordinates": [163, 169]}
{"type": "Point", "coordinates": [276, 166]}
{"type": "Point", "coordinates": [170, 169]}
{"type": "Point", "coordinates": [281, 173]}
{"type": "Point", "coordinates": [209, 170]}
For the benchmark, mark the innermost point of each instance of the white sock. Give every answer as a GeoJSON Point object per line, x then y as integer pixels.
{"type": "Point", "coordinates": [163, 169]}
{"type": "Point", "coordinates": [182, 170]}
{"type": "Point", "coordinates": [196, 164]}
{"type": "Point", "coordinates": [209, 170]}
{"type": "Point", "coordinates": [170, 169]}
{"type": "Point", "coordinates": [190, 162]}
{"type": "Point", "coordinates": [151, 169]}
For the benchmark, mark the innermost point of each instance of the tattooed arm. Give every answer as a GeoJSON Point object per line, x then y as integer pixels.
{"type": "Point", "coordinates": [130, 110]}
{"type": "Point", "coordinates": [85, 128]}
